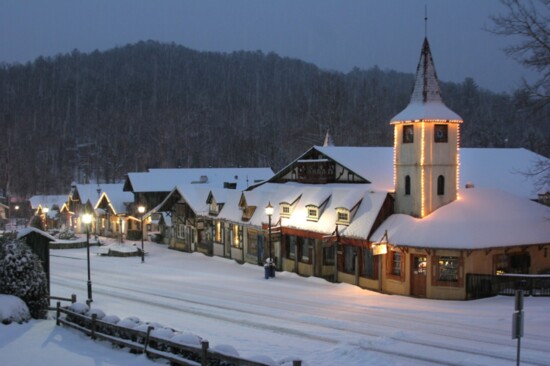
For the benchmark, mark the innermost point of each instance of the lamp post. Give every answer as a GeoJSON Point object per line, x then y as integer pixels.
{"type": "Point", "coordinates": [141, 210]}
{"type": "Point", "coordinates": [87, 219]}
{"type": "Point", "coordinates": [269, 213]}
{"type": "Point", "coordinates": [45, 211]}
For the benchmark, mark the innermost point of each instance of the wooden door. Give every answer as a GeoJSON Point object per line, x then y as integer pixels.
{"type": "Point", "coordinates": [418, 275]}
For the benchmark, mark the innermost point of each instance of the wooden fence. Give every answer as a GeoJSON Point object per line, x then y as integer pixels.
{"type": "Point", "coordinates": [138, 341]}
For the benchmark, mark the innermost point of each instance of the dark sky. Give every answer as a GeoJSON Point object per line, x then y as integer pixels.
{"type": "Point", "coordinates": [333, 34]}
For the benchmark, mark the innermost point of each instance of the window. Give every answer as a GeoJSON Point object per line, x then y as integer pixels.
{"type": "Point", "coordinates": [312, 213]}
{"type": "Point", "coordinates": [285, 210]}
{"type": "Point", "coordinates": [448, 269]}
{"type": "Point", "coordinates": [181, 231]}
{"type": "Point", "coordinates": [369, 264]}
{"type": "Point", "coordinates": [291, 247]}
{"type": "Point", "coordinates": [395, 265]}
{"type": "Point", "coordinates": [252, 242]}
{"type": "Point", "coordinates": [440, 185]}
{"type": "Point", "coordinates": [305, 246]}
{"type": "Point", "coordinates": [441, 133]}
{"type": "Point", "coordinates": [349, 259]}
{"type": "Point", "coordinates": [219, 230]}
{"type": "Point", "coordinates": [328, 255]}
{"type": "Point", "coordinates": [237, 236]}
{"type": "Point", "coordinates": [342, 216]}
{"type": "Point", "coordinates": [408, 134]}
{"type": "Point", "coordinates": [213, 207]}
{"type": "Point", "coordinates": [407, 185]}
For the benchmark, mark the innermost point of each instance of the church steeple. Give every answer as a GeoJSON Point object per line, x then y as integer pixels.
{"type": "Point", "coordinates": [329, 141]}
{"type": "Point", "coordinates": [426, 141]}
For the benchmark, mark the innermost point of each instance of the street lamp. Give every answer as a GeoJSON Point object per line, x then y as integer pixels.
{"type": "Point", "coordinates": [141, 210]}
{"type": "Point", "coordinates": [269, 213]}
{"type": "Point", "coordinates": [45, 211]}
{"type": "Point", "coordinates": [87, 219]}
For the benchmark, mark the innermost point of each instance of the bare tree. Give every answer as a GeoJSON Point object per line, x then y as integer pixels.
{"type": "Point", "coordinates": [531, 24]}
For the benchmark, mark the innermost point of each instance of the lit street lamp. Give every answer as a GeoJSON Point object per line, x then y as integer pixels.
{"type": "Point", "coordinates": [269, 213]}
{"type": "Point", "coordinates": [87, 219]}
{"type": "Point", "coordinates": [141, 210]}
{"type": "Point", "coordinates": [45, 211]}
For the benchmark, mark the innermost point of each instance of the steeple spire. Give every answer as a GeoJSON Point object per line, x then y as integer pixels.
{"type": "Point", "coordinates": [426, 86]}
{"type": "Point", "coordinates": [426, 102]}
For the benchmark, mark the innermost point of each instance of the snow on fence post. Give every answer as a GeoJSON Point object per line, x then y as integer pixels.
{"type": "Point", "coordinates": [57, 313]}
{"type": "Point", "coordinates": [73, 298]}
{"type": "Point", "coordinates": [94, 318]}
{"type": "Point", "coordinates": [149, 329]}
{"type": "Point", "coordinates": [204, 353]}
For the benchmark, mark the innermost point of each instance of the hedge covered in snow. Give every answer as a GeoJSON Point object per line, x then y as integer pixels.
{"type": "Point", "coordinates": [22, 275]}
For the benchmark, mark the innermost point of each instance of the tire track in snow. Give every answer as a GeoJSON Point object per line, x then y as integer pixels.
{"type": "Point", "coordinates": [120, 292]}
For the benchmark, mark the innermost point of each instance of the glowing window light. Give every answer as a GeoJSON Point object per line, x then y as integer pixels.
{"type": "Point", "coordinates": [422, 153]}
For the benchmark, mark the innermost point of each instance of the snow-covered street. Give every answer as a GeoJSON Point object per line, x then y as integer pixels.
{"type": "Point", "coordinates": [292, 317]}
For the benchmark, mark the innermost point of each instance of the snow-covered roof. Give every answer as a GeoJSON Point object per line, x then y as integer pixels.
{"type": "Point", "coordinates": [164, 180]}
{"type": "Point", "coordinates": [194, 195]}
{"type": "Point", "coordinates": [48, 201]}
{"type": "Point", "coordinates": [116, 197]}
{"type": "Point", "coordinates": [30, 229]}
{"type": "Point", "coordinates": [426, 102]}
{"type": "Point", "coordinates": [92, 192]}
{"type": "Point", "coordinates": [333, 195]}
{"type": "Point", "coordinates": [484, 167]}
{"type": "Point", "coordinates": [480, 218]}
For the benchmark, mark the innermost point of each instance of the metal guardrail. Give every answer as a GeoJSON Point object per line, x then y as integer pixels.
{"type": "Point", "coordinates": [482, 285]}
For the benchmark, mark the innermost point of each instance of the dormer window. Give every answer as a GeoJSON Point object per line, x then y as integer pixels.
{"type": "Point", "coordinates": [214, 208]}
{"type": "Point", "coordinates": [285, 210]}
{"type": "Point", "coordinates": [312, 213]}
{"type": "Point", "coordinates": [342, 216]}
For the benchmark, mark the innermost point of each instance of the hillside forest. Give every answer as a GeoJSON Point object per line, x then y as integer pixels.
{"type": "Point", "coordinates": [97, 116]}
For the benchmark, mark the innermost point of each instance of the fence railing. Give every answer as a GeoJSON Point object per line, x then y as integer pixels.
{"type": "Point", "coordinates": [139, 341]}
{"type": "Point", "coordinates": [483, 285]}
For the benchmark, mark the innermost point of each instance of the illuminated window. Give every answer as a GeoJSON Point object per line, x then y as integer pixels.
{"type": "Point", "coordinates": [448, 268]}
{"type": "Point", "coordinates": [440, 185]}
{"type": "Point", "coordinates": [395, 265]}
{"type": "Point", "coordinates": [407, 185]}
{"type": "Point", "coordinates": [441, 133]}
{"type": "Point", "coordinates": [408, 134]}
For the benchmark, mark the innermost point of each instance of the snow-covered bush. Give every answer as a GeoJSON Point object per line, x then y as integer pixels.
{"type": "Point", "coordinates": [22, 275]}
{"type": "Point", "coordinates": [66, 234]}
{"type": "Point", "coordinates": [13, 309]}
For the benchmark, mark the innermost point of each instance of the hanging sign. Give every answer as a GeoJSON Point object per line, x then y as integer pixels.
{"type": "Point", "coordinates": [379, 249]}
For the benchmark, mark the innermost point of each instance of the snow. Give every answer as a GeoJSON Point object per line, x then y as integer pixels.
{"type": "Point", "coordinates": [30, 229]}
{"type": "Point", "coordinates": [48, 201]}
{"type": "Point", "coordinates": [480, 218]}
{"type": "Point", "coordinates": [484, 167]}
{"type": "Point", "coordinates": [13, 309]}
{"type": "Point", "coordinates": [289, 317]}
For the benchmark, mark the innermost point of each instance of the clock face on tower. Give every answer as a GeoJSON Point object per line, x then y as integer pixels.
{"type": "Point", "coordinates": [441, 133]}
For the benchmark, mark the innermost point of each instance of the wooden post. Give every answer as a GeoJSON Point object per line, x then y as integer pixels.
{"type": "Point", "coordinates": [149, 329]}
{"type": "Point", "coordinates": [204, 353]}
{"type": "Point", "coordinates": [58, 313]}
{"type": "Point", "coordinates": [94, 318]}
{"type": "Point", "coordinates": [296, 363]}
{"type": "Point", "coordinates": [73, 298]}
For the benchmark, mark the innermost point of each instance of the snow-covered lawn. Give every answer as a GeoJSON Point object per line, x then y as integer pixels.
{"type": "Point", "coordinates": [289, 317]}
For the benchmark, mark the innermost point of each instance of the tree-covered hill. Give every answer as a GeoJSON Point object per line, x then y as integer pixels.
{"type": "Point", "coordinates": [100, 115]}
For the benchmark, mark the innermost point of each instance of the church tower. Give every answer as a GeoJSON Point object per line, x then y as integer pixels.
{"type": "Point", "coordinates": [426, 146]}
